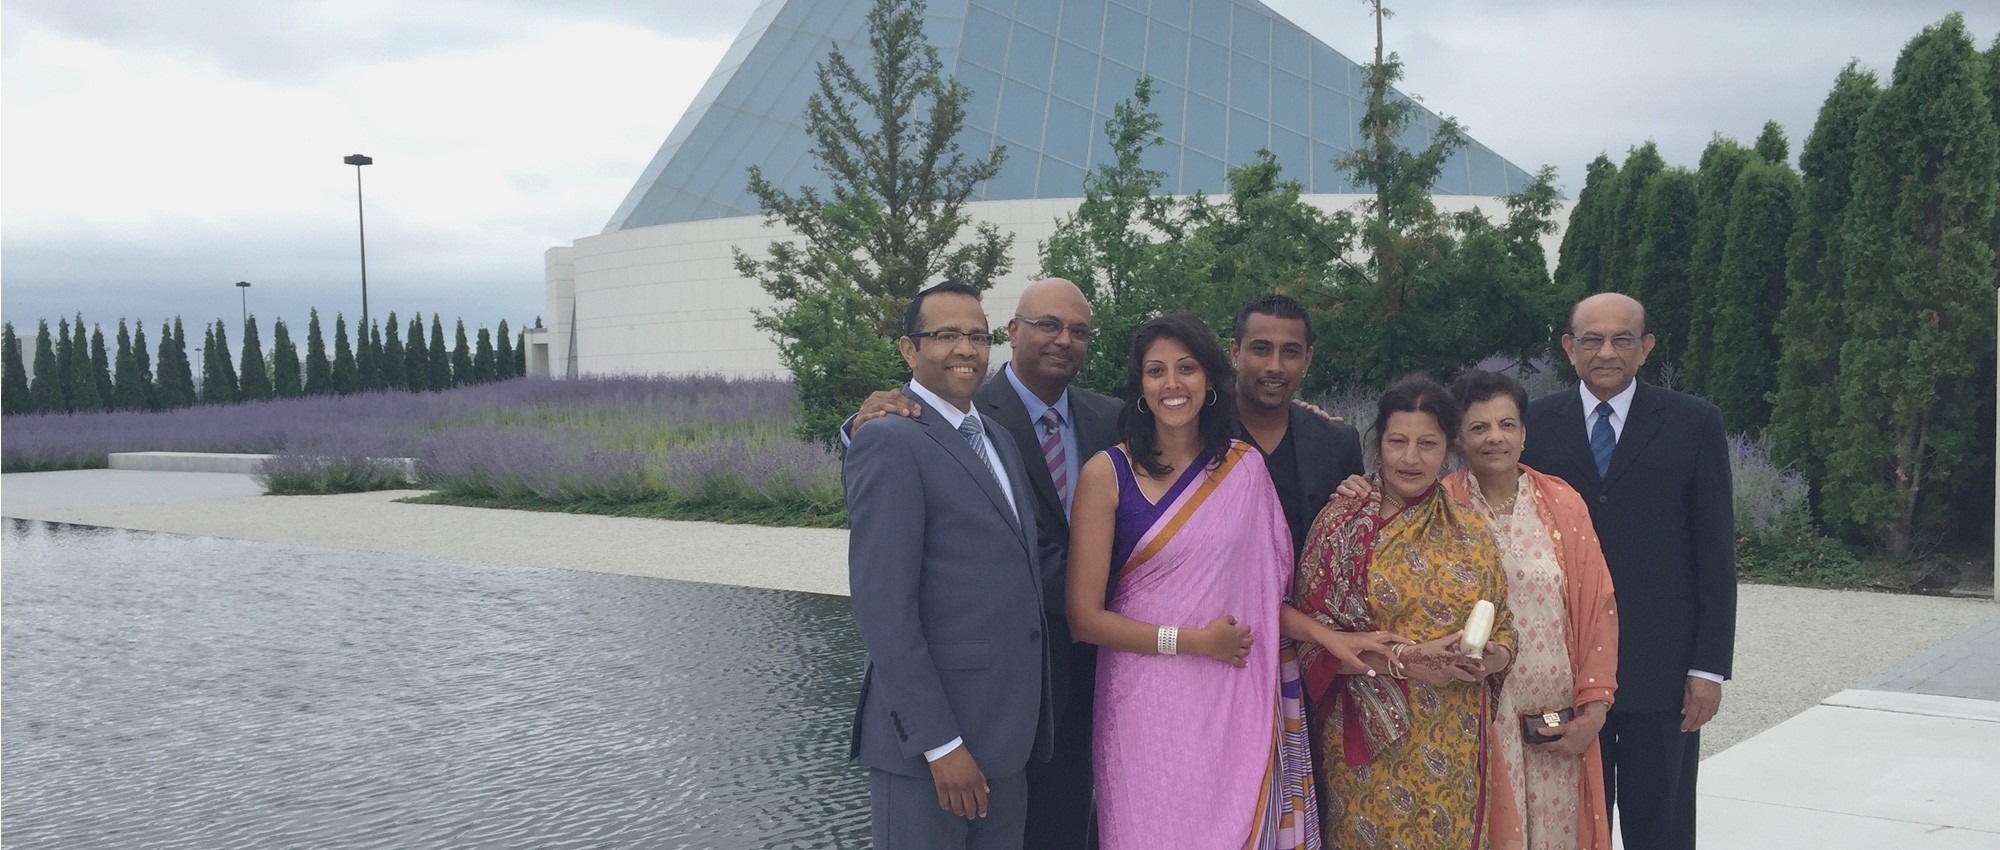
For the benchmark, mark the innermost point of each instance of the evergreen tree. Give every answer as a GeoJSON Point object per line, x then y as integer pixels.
{"type": "Point", "coordinates": [346, 381]}
{"type": "Point", "coordinates": [129, 392]}
{"type": "Point", "coordinates": [100, 369]}
{"type": "Point", "coordinates": [166, 385]}
{"type": "Point", "coordinates": [503, 353]}
{"type": "Point", "coordinates": [1580, 259]}
{"type": "Point", "coordinates": [438, 370]}
{"type": "Point", "coordinates": [83, 395]}
{"type": "Point", "coordinates": [417, 358]}
{"type": "Point", "coordinates": [1721, 163]}
{"type": "Point", "coordinates": [211, 379]}
{"type": "Point", "coordinates": [45, 394]}
{"type": "Point", "coordinates": [231, 390]}
{"type": "Point", "coordinates": [521, 354]}
{"type": "Point", "coordinates": [461, 360]}
{"type": "Point", "coordinates": [1772, 146]}
{"type": "Point", "coordinates": [145, 361]}
{"type": "Point", "coordinates": [1661, 270]}
{"type": "Point", "coordinates": [65, 364]}
{"type": "Point", "coordinates": [255, 375]}
{"type": "Point", "coordinates": [14, 398]}
{"type": "Point", "coordinates": [286, 377]}
{"type": "Point", "coordinates": [1749, 292]}
{"type": "Point", "coordinates": [392, 360]}
{"type": "Point", "coordinates": [184, 389]}
{"type": "Point", "coordinates": [1805, 407]}
{"type": "Point", "coordinates": [482, 359]}
{"type": "Point", "coordinates": [319, 372]}
{"type": "Point", "coordinates": [884, 138]}
{"type": "Point", "coordinates": [1628, 220]}
{"type": "Point", "coordinates": [1919, 294]}
{"type": "Point", "coordinates": [367, 376]}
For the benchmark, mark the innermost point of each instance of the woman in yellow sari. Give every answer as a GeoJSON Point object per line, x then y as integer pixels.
{"type": "Point", "coordinates": [1404, 759]}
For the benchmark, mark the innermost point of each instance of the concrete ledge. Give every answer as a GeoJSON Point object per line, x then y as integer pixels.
{"type": "Point", "coordinates": [1927, 705]}
{"type": "Point", "coordinates": [239, 464]}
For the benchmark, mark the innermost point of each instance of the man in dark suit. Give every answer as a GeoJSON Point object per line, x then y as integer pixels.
{"type": "Point", "coordinates": [1653, 465]}
{"type": "Point", "coordinates": [1060, 426]}
{"type": "Point", "coordinates": [947, 596]}
{"type": "Point", "coordinates": [1308, 455]}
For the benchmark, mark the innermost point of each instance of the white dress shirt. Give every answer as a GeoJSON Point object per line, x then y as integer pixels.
{"type": "Point", "coordinates": [1621, 408]}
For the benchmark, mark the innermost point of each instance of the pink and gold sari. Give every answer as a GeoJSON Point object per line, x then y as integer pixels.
{"type": "Point", "coordinates": [1191, 752]}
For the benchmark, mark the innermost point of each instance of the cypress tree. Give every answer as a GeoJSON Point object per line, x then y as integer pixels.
{"type": "Point", "coordinates": [503, 353]}
{"type": "Point", "coordinates": [1772, 146]}
{"type": "Point", "coordinates": [14, 398]}
{"type": "Point", "coordinates": [366, 375]}
{"type": "Point", "coordinates": [439, 367]}
{"type": "Point", "coordinates": [65, 363]}
{"type": "Point", "coordinates": [45, 394]}
{"type": "Point", "coordinates": [166, 391]}
{"type": "Point", "coordinates": [1668, 209]}
{"type": "Point", "coordinates": [319, 372]}
{"type": "Point", "coordinates": [1721, 163]}
{"type": "Point", "coordinates": [184, 389]}
{"type": "Point", "coordinates": [210, 379]}
{"type": "Point", "coordinates": [417, 358]}
{"type": "Point", "coordinates": [1628, 221]}
{"type": "Point", "coordinates": [84, 396]}
{"type": "Point", "coordinates": [100, 369]}
{"type": "Point", "coordinates": [1918, 294]}
{"type": "Point", "coordinates": [1805, 407]}
{"type": "Point", "coordinates": [229, 391]}
{"type": "Point", "coordinates": [145, 362]}
{"type": "Point", "coordinates": [1580, 258]}
{"type": "Point", "coordinates": [128, 392]}
{"type": "Point", "coordinates": [1749, 292]}
{"type": "Point", "coordinates": [461, 359]}
{"type": "Point", "coordinates": [285, 373]}
{"type": "Point", "coordinates": [255, 373]}
{"type": "Point", "coordinates": [345, 378]}
{"type": "Point", "coordinates": [375, 355]}
{"type": "Point", "coordinates": [392, 361]}
{"type": "Point", "coordinates": [521, 354]}
{"type": "Point", "coordinates": [482, 359]}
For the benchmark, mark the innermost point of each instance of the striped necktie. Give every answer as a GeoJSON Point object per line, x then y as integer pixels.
{"type": "Point", "coordinates": [1052, 451]}
{"type": "Point", "coordinates": [1603, 439]}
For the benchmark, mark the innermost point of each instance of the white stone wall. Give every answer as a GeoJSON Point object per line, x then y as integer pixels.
{"type": "Point", "coordinates": [667, 298]}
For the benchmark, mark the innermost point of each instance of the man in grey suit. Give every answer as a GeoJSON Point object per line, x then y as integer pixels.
{"type": "Point", "coordinates": [943, 573]}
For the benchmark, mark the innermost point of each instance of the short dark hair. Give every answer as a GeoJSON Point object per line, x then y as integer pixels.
{"type": "Point", "coordinates": [915, 312]}
{"type": "Point", "coordinates": [1280, 306]}
{"type": "Point", "coordinates": [1416, 394]}
{"type": "Point", "coordinates": [1217, 423]}
{"type": "Point", "coordinates": [1476, 386]}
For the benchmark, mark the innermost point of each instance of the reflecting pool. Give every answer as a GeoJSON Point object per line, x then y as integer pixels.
{"type": "Point", "coordinates": [164, 691]}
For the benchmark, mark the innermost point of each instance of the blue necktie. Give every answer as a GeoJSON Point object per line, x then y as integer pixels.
{"type": "Point", "coordinates": [1603, 439]}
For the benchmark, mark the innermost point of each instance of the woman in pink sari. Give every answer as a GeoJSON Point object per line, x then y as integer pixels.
{"type": "Point", "coordinates": [1199, 734]}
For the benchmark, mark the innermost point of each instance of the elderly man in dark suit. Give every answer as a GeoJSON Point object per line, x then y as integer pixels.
{"type": "Point", "coordinates": [947, 595]}
{"type": "Point", "coordinates": [1307, 454]}
{"type": "Point", "coordinates": [1056, 427]}
{"type": "Point", "coordinates": [1653, 465]}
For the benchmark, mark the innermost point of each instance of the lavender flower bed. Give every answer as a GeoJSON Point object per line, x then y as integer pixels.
{"type": "Point", "coordinates": [599, 440]}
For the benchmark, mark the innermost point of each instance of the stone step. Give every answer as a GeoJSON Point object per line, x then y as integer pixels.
{"type": "Point", "coordinates": [240, 464]}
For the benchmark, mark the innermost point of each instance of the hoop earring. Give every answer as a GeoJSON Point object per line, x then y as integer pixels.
{"type": "Point", "coordinates": [1211, 397]}
{"type": "Point", "coordinates": [1142, 406]}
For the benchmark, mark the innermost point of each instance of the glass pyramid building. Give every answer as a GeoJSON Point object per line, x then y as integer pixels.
{"type": "Point", "coordinates": [1230, 77]}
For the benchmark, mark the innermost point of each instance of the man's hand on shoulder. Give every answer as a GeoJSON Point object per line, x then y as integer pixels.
{"type": "Point", "coordinates": [1316, 410]}
{"type": "Point", "coordinates": [882, 403]}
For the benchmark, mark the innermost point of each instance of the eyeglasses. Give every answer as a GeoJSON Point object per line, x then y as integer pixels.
{"type": "Point", "coordinates": [949, 337]}
{"type": "Point", "coordinates": [1079, 332]}
{"type": "Point", "coordinates": [1593, 342]}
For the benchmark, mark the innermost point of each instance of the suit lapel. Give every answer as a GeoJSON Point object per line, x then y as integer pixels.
{"type": "Point", "coordinates": [1307, 458]}
{"type": "Point", "coordinates": [1642, 424]}
{"type": "Point", "coordinates": [998, 401]}
{"type": "Point", "coordinates": [1572, 435]}
{"type": "Point", "coordinates": [947, 435]}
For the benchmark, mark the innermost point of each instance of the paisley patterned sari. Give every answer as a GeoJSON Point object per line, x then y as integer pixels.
{"type": "Point", "coordinates": [1403, 764]}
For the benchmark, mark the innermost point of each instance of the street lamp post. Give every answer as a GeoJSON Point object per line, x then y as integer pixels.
{"type": "Point", "coordinates": [358, 160]}
{"type": "Point", "coordinates": [243, 286]}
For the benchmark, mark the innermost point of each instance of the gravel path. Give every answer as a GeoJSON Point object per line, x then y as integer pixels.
{"type": "Point", "coordinates": [1794, 646]}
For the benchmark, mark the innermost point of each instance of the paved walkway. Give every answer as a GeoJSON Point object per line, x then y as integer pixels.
{"type": "Point", "coordinates": [1856, 720]}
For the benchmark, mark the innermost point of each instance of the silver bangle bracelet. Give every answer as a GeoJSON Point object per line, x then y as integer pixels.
{"type": "Point", "coordinates": [1169, 640]}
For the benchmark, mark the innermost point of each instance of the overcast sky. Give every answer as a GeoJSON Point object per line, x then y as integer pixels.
{"type": "Point", "coordinates": [152, 154]}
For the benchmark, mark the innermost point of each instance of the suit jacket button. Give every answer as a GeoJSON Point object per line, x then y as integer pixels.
{"type": "Point", "coordinates": [1604, 500]}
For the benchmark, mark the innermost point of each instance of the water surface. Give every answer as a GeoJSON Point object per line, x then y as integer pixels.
{"type": "Point", "coordinates": [164, 691]}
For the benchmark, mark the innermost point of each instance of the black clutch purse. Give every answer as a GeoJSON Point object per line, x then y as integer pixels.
{"type": "Point", "coordinates": [1546, 727]}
